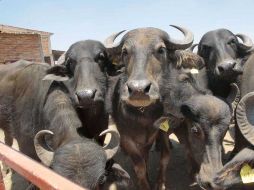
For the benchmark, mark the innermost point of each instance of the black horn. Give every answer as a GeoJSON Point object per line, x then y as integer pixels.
{"type": "Point", "coordinates": [234, 96]}
{"type": "Point", "coordinates": [192, 47]}
{"type": "Point", "coordinates": [247, 42]}
{"type": "Point", "coordinates": [181, 44]}
{"type": "Point", "coordinates": [242, 111]}
{"type": "Point", "coordinates": [112, 147]}
{"type": "Point", "coordinates": [109, 42]}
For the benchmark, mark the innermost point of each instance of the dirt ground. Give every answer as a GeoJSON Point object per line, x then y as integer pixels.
{"type": "Point", "coordinates": [177, 170]}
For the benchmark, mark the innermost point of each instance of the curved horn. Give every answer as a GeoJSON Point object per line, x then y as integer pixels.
{"type": "Point", "coordinates": [112, 147]}
{"type": "Point", "coordinates": [192, 47]}
{"type": "Point", "coordinates": [61, 59]}
{"type": "Point", "coordinates": [246, 128]}
{"type": "Point", "coordinates": [181, 44]}
{"type": "Point", "coordinates": [234, 96]}
{"type": "Point", "coordinates": [43, 151]}
{"type": "Point", "coordinates": [109, 42]}
{"type": "Point", "coordinates": [247, 42]}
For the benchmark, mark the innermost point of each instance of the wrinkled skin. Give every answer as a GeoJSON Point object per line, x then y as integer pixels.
{"type": "Point", "coordinates": [229, 175]}
{"type": "Point", "coordinates": [136, 103]}
{"type": "Point", "coordinates": [224, 59]}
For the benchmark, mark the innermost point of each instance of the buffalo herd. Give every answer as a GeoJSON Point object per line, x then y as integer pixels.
{"type": "Point", "coordinates": [151, 85]}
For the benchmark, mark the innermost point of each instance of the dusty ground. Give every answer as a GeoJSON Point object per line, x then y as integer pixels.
{"type": "Point", "coordinates": [177, 171]}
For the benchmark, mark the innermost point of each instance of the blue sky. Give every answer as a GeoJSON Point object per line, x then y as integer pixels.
{"type": "Point", "coordinates": [73, 20]}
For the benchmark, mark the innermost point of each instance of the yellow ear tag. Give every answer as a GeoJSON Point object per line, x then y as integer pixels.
{"type": "Point", "coordinates": [247, 174]}
{"type": "Point", "coordinates": [164, 126]}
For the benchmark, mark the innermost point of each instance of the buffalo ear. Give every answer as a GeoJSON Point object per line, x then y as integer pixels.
{"type": "Point", "coordinates": [120, 175]}
{"type": "Point", "coordinates": [57, 73]}
{"type": "Point", "coordinates": [188, 111]}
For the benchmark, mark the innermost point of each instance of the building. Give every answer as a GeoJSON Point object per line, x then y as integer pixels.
{"type": "Point", "coordinates": [20, 43]}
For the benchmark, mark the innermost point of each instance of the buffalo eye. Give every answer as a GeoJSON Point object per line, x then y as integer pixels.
{"type": "Point", "coordinates": [232, 43]}
{"type": "Point", "coordinates": [183, 78]}
{"type": "Point", "coordinates": [71, 65]}
{"type": "Point", "coordinates": [161, 50]}
{"type": "Point", "coordinates": [195, 130]}
{"type": "Point", "coordinates": [205, 51]}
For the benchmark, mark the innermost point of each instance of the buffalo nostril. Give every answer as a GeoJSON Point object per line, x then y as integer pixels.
{"type": "Point", "coordinates": [147, 89]}
{"type": "Point", "coordinates": [206, 185]}
{"type": "Point", "coordinates": [221, 69]}
{"type": "Point", "coordinates": [233, 64]}
{"type": "Point", "coordinates": [129, 89]}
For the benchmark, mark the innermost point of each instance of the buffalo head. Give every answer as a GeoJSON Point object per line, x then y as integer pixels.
{"type": "Point", "coordinates": [207, 119]}
{"type": "Point", "coordinates": [181, 81]}
{"type": "Point", "coordinates": [223, 53]}
{"type": "Point", "coordinates": [82, 160]}
{"type": "Point", "coordinates": [83, 72]}
{"type": "Point", "coordinates": [144, 52]}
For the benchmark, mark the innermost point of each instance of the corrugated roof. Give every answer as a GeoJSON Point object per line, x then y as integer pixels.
{"type": "Point", "coordinates": [19, 30]}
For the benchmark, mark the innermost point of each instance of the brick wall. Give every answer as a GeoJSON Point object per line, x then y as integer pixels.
{"type": "Point", "coordinates": [45, 38]}
{"type": "Point", "coordinates": [20, 46]}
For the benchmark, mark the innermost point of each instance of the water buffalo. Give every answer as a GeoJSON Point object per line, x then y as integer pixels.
{"type": "Point", "coordinates": [144, 53]}
{"type": "Point", "coordinates": [82, 160]}
{"type": "Point", "coordinates": [198, 119]}
{"type": "Point", "coordinates": [35, 97]}
{"type": "Point", "coordinates": [84, 73]}
{"type": "Point", "coordinates": [224, 56]}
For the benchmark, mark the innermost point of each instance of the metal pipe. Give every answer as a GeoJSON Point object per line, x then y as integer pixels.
{"type": "Point", "coordinates": [2, 186]}
{"type": "Point", "coordinates": [39, 175]}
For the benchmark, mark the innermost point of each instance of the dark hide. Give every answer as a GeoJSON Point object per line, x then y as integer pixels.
{"type": "Point", "coordinates": [37, 104]}
{"type": "Point", "coordinates": [198, 119]}
{"type": "Point", "coordinates": [144, 52]}
{"type": "Point", "coordinates": [224, 58]}
{"type": "Point", "coordinates": [92, 171]}
{"type": "Point", "coordinates": [85, 74]}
